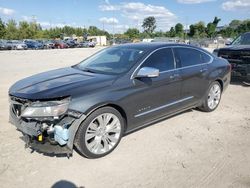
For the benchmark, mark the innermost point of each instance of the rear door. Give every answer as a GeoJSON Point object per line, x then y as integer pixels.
{"type": "Point", "coordinates": [192, 64]}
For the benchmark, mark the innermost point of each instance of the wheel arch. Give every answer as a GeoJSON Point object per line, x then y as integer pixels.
{"type": "Point", "coordinates": [221, 83]}
{"type": "Point", "coordinates": [115, 106]}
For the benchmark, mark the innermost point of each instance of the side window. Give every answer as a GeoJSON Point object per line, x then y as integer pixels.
{"type": "Point", "coordinates": [206, 58]}
{"type": "Point", "coordinates": [189, 56]}
{"type": "Point", "coordinates": [161, 59]}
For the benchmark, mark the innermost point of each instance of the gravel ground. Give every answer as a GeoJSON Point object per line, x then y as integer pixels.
{"type": "Point", "coordinates": [192, 149]}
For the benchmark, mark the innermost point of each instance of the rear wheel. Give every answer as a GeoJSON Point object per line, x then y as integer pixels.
{"type": "Point", "coordinates": [212, 98]}
{"type": "Point", "coordinates": [100, 133]}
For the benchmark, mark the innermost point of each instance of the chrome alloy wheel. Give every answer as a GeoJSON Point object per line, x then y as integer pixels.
{"type": "Point", "coordinates": [103, 133]}
{"type": "Point", "coordinates": [214, 96]}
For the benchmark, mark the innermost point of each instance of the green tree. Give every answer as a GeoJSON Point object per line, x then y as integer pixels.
{"type": "Point", "coordinates": [68, 31]}
{"type": "Point", "coordinates": [211, 27]}
{"type": "Point", "coordinates": [132, 33]}
{"type": "Point", "coordinates": [201, 29]}
{"type": "Point", "coordinates": [234, 24]}
{"type": "Point", "coordinates": [236, 27]}
{"type": "Point", "coordinates": [228, 32]}
{"type": "Point", "coordinates": [210, 30]}
{"type": "Point", "coordinates": [159, 34]}
{"type": "Point", "coordinates": [149, 24]}
{"type": "Point", "coordinates": [11, 30]}
{"type": "Point", "coordinates": [179, 30]}
{"type": "Point", "coordinates": [243, 27]}
{"type": "Point", "coordinates": [35, 28]}
{"type": "Point", "coordinates": [197, 30]}
{"type": "Point", "coordinates": [54, 32]}
{"type": "Point", "coordinates": [216, 21]}
{"type": "Point", "coordinates": [25, 31]}
{"type": "Point", "coordinates": [93, 30]}
{"type": "Point", "coordinates": [2, 29]}
{"type": "Point", "coordinates": [172, 32]}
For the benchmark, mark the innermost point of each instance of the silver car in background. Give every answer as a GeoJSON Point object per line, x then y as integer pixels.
{"type": "Point", "coordinates": [17, 45]}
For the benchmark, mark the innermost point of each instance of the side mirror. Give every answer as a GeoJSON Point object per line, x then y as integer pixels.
{"type": "Point", "coordinates": [228, 43]}
{"type": "Point", "coordinates": [148, 72]}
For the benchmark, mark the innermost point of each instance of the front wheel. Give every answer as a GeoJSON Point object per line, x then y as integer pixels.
{"type": "Point", "coordinates": [212, 98]}
{"type": "Point", "coordinates": [100, 133]}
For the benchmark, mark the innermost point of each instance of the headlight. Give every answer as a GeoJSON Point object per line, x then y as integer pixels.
{"type": "Point", "coordinates": [46, 109]}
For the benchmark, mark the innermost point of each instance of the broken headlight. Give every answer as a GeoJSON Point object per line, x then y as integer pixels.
{"type": "Point", "coordinates": [46, 109]}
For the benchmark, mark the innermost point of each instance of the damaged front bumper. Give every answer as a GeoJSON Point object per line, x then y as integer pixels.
{"type": "Point", "coordinates": [46, 135]}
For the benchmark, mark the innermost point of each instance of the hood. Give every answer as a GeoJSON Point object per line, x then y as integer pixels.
{"type": "Point", "coordinates": [60, 83]}
{"type": "Point", "coordinates": [236, 48]}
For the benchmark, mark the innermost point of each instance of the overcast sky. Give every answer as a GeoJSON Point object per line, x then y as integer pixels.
{"type": "Point", "coordinates": [123, 14]}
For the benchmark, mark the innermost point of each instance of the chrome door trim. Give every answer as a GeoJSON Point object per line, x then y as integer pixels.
{"type": "Point", "coordinates": [164, 106]}
{"type": "Point", "coordinates": [172, 47]}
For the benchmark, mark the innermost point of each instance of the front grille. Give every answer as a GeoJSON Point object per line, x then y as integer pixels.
{"type": "Point", "coordinates": [17, 105]}
{"type": "Point", "coordinates": [17, 109]}
{"type": "Point", "coordinates": [235, 56]}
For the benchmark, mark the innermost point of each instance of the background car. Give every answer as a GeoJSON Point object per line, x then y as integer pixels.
{"type": "Point", "coordinates": [71, 43]}
{"type": "Point", "coordinates": [86, 44]}
{"type": "Point", "coordinates": [4, 45]}
{"type": "Point", "coordinates": [49, 44]}
{"type": "Point", "coordinates": [17, 45]}
{"type": "Point", "coordinates": [238, 55]}
{"type": "Point", "coordinates": [32, 44]}
{"type": "Point", "coordinates": [60, 44]}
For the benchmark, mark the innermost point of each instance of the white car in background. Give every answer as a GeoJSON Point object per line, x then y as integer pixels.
{"type": "Point", "coordinates": [17, 45]}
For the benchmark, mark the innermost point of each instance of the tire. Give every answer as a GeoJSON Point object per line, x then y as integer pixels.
{"type": "Point", "coordinates": [92, 138]}
{"type": "Point", "coordinates": [246, 83]}
{"type": "Point", "coordinates": [212, 98]}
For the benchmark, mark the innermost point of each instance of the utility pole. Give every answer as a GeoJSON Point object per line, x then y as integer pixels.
{"type": "Point", "coordinates": [113, 27]}
{"type": "Point", "coordinates": [186, 29]}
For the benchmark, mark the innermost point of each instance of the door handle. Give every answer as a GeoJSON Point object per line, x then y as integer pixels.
{"type": "Point", "coordinates": [203, 70]}
{"type": "Point", "coordinates": [174, 76]}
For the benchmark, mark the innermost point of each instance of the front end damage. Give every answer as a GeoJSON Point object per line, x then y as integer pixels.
{"type": "Point", "coordinates": [50, 135]}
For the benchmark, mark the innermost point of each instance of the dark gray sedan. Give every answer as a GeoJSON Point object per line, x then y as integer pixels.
{"type": "Point", "coordinates": [118, 90]}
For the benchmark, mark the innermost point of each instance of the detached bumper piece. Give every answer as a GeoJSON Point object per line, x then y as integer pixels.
{"type": "Point", "coordinates": [45, 147]}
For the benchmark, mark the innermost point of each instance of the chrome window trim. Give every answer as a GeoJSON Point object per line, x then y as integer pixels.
{"type": "Point", "coordinates": [163, 106]}
{"type": "Point", "coordinates": [211, 57]}
{"type": "Point", "coordinates": [132, 75]}
{"type": "Point", "coordinates": [175, 65]}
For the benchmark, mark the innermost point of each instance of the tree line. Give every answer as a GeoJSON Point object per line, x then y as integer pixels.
{"type": "Point", "coordinates": [33, 30]}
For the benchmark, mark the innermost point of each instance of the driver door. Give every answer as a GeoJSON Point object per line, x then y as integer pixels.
{"type": "Point", "coordinates": [155, 97]}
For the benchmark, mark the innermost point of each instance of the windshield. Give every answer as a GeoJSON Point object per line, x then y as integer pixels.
{"type": "Point", "coordinates": [114, 60]}
{"type": "Point", "coordinates": [242, 40]}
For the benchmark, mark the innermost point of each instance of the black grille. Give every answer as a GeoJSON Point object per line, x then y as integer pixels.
{"type": "Point", "coordinates": [17, 105]}
{"type": "Point", "coordinates": [235, 56]}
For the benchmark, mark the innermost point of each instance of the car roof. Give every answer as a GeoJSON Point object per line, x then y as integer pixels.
{"type": "Point", "coordinates": [153, 45]}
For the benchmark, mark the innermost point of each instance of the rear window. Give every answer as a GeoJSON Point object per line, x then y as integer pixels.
{"type": "Point", "coordinates": [206, 58]}
{"type": "Point", "coordinates": [189, 57]}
